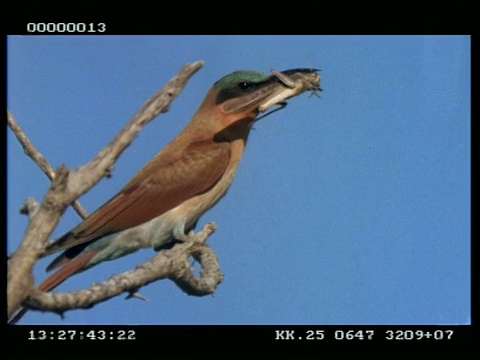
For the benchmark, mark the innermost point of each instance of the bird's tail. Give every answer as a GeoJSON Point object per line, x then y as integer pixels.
{"type": "Point", "coordinates": [68, 269]}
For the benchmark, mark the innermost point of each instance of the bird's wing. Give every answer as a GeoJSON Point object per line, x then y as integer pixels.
{"type": "Point", "coordinates": [164, 183]}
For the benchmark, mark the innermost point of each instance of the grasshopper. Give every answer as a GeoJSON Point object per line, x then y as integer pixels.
{"type": "Point", "coordinates": [295, 81]}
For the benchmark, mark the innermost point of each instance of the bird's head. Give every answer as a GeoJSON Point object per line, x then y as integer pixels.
{"type": "Point", "coordinates": [233, 103]}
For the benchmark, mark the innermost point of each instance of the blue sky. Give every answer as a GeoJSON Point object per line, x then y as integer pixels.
{"type": "Point", "coordinates": [352, 208]}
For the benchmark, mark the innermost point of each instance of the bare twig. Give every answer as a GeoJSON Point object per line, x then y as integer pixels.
{"type": "Point", "coordinates": [69, 185]}
{"type": "Point", "coordinates": [38, 158]}
{"type": "Point", "coordinates": [173, 264]}
{"type": "Point", "coordinates": [30, 207]}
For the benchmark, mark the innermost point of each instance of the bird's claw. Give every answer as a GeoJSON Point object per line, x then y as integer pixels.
{"type": "Point", "coordinates": [199, 237]}
{"type": "Point", "coordinates": [190, 237]}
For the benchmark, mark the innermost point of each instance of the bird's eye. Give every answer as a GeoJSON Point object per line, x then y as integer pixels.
{"type": "Point", "coordinates": [244, 85]}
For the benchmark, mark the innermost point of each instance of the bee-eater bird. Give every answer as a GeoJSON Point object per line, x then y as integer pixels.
{"type": "Point", "coordinates": [185, 179]}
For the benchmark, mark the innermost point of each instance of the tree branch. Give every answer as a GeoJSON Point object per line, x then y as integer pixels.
{"type": "Point", "coordinates": [173, 264]}
{"type": "Point", "coordinates": [69, 185]}
{"type": "Point", "coordinates": [31, 151]}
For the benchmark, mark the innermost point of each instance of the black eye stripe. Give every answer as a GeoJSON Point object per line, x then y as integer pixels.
{"type": "Point", "coordinates": [238, 88]}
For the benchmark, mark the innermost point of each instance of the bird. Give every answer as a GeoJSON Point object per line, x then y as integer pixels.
{"type": "Point", "coordinates": [165, 199]}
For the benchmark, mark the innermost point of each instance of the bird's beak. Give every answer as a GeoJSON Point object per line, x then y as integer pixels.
{"type": "Point", "coordinates": [277, 88]}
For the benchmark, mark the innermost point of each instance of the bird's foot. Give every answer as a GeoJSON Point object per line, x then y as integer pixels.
{"type": "Point", "coordinates": [199, 237]}
{"type": "Point", "coordinates": [186, 237]}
